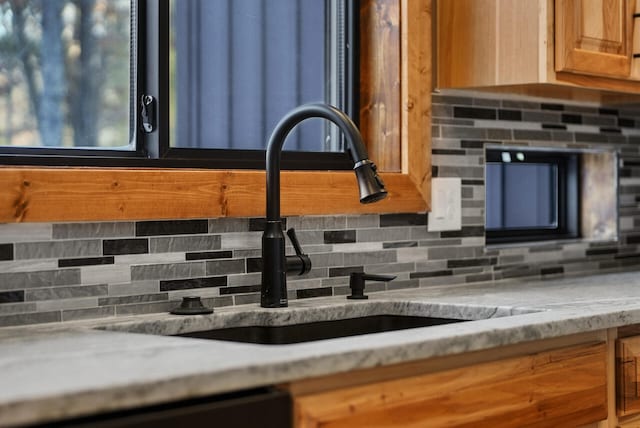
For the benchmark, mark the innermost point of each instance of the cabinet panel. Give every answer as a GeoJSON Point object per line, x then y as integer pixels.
{"type": "Point", "coordinates": [628, 373]}
{"type": "Point", "coordinates": [594, 36]}
{"type": "Point", "coordinates": [568, 49]}
{"type": "Point", "coordinates": [562, 387]}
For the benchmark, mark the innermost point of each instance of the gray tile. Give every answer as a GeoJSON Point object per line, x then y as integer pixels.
{"type": "Point", "coordinates": [438, 281]}
{"type": "Point", "coordinates": [358, 247]}
{"type": "Point", "coordinates": [451, 252]}
{"type": "Point", "coordinates": [124, 300]}
{"type": "Point", "coordinates": [245, 254]}
{"type": "Point", "coordinates": [520, 104]}
{"type": "Point", "coordinates": [462, 172]}
{"type": "Point", "coordinates": [245, 299]}
{"type": "Point", "coordinates": [451, 122]}
{"type": "Point", "coordinates": [441, 110]}
{"type": "Point", "coordinates": [225, 267]}
{"type": "Point", "coordinates": [481, 277]}
{"type": "Point", "coordinates": [463, 132]}
{"type": "Point", "coordinates": [562, 136]}
{"type": "Point", "coordinates": [541, 116]}
{"type": "Point", "coordinates": [363, 221]}
{"type": "Point", "coordinates": [185, 243]}
{"type": "Point", "coordinates": [93, 230]}
{"type": "Point", "coordinates": [110, 274]}
{"type": "Point", "coordinates": [136, 287]}
{"type": "Point", "coordinates": [218, 302]}
{"type": "Point", "coordinates": [355, 259]}
{"type": "Point", "coordinates": [338, 280]}
{"type": "Point", "coordinates": [89, 313]}
{"type": "Point", "coordinates": [241, 241]}
{"type": "Point", "coordinates": [76, 303]}
{"type": "Point", "coordinates": [327, 259]}
{"type": "Point", "coordinates": [487, 102]}
{"type": "Point", "coordinates": [431, 265]}
{"type": "Point", "coordinates": [303, 284]}
{"type": "Point", "coordinates": [30, 318]}
{"type": "Point", "coordinates": [412, 254]}
{"type": "Point", "coordinates": [574, 108]}
{"type": "Point", "coordinates": [225, 225]}
{"type": "Point", "coordinates": [24, 232]}
{"type": "Point", "coordinates": [590, 138]}
{"type": "Point", "coordinates": [385, 234]}
{"type": "Point", "coordinates": [317, 222]}
{"type": "Point", "coordinates": [390, 268]}
{"type": "Point", "coordinates": [145, 308]}
{"type": "Point", "coordinates": [422, 233]}
{"type": "Point", "coordinates": [167, 271]}
{"type": "Point", "coordinates": [66, 292]}
{"type": "Point", "coordinates": [22, 280]}
{"type": "Point", "coordinates": [244, 279]}
{"type": "Point", "coordinates": [398, 285]}
{"type": "Point", "coordinates": [341, 291]}
{"type": "Point", "coordinates": [58, 249]}
{"type": "Point", "coordinates": [499, 134]}
{"type": "Point", "coordinates": [310, 237]}
{"type": "Point", "coordinates": [17, 308]}
{"type": "Point", "coordinates": [599, 120]}
{"type": "Point", "coordinates": [525, 134]}
{"type": "Point", "coordinates": [15, 266]}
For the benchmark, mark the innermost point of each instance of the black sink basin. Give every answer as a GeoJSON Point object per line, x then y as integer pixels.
{"type": "Point", "coordinates": [307, 332]}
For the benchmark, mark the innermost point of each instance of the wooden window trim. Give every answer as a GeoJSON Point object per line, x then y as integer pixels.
{"type": "Point", "coordinates": [39, 194]}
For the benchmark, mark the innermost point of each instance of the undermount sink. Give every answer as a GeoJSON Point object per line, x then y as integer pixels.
{"type": "Point", "coordinates": [319, 330]}
{"type": "Point", "coordinates": [301, 323]}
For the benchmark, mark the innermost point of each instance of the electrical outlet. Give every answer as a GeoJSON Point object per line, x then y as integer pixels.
{"type": "Point", "coordinates": [446, 205]}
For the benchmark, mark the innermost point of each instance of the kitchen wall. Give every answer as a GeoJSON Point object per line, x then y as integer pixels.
{"type": "Point", "coordinates": [69, 271]}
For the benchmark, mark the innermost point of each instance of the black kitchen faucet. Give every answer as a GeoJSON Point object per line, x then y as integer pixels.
{"type": "Point", "coordinates": [275, 264]}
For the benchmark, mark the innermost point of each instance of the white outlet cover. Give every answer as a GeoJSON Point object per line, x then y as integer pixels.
{"type": "Point", "coordinates": [446, 205]}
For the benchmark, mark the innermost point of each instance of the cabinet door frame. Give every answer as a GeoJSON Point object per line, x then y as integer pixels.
{"type": "Point", "coordinates": [578, 53]}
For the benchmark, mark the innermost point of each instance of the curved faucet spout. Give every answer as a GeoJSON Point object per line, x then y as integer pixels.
{"type": "Point", "coordinates": [275, 264]}
{"type": "Point", "coordinates": [371, 186]}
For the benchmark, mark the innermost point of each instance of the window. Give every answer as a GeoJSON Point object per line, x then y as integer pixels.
{"type": "Point", "coordinates": [531, 195]}
{"type": "Point", "coordinates": [64, 74]}
{"type": "Point", "coordinates": [215, 77]}
{"type": "Point", "coordinates": [396, 54]}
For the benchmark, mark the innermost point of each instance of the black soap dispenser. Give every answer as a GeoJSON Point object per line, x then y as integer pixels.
{"type": "Point", "coordinates": [357, 280]}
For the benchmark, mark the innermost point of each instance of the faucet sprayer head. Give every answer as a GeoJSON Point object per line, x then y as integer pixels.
{"type": "Point", "coordinates": [369, 182]}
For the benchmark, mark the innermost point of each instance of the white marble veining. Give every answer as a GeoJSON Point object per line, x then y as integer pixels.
{"type": "Point", "coordinates": [61, 371]}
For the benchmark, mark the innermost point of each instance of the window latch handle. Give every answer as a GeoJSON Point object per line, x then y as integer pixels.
{"type": "Point", "coordinates": [148, 113]}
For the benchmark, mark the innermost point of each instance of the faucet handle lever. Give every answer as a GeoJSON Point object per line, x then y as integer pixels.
{"type": "Point", "coordinates": [300, 263]}
{"type": "Point", "coordinates": [291, 233]}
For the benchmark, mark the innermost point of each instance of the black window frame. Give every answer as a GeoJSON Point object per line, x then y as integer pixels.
{"type": "Point", "coordinates": [150, 60]}
{"type": "Point", "coordinates": [568, 203]}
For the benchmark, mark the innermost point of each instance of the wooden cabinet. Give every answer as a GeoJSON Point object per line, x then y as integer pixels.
{"type": "Point", "coordinates": [563, 49]}
{"type": "Point", "coordinates": [594, 37]}
{"type": "Point", "coordinates": [628, 376]}
{"type": "Point", "coordinates": [557, 387]}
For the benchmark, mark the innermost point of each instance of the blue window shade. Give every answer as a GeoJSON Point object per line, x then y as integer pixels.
{"type": "Point", "coordinates": [239, 65]}
{"type": "Point", "coordinates": [522, 195]}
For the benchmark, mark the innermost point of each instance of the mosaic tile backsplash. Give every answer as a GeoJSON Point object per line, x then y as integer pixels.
{"type": "Point", "coordinates": [64, 271]}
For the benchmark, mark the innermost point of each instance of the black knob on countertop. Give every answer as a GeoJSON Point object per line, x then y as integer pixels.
{"type": "Point", "coordinates": [191, 305]}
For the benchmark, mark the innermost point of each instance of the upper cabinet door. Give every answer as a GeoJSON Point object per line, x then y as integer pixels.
{"type": "Point", "coordinates": [594, 36]}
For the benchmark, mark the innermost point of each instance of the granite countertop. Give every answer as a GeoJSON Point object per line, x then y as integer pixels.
{"type": "Point", "coordinates": [67, 370]}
